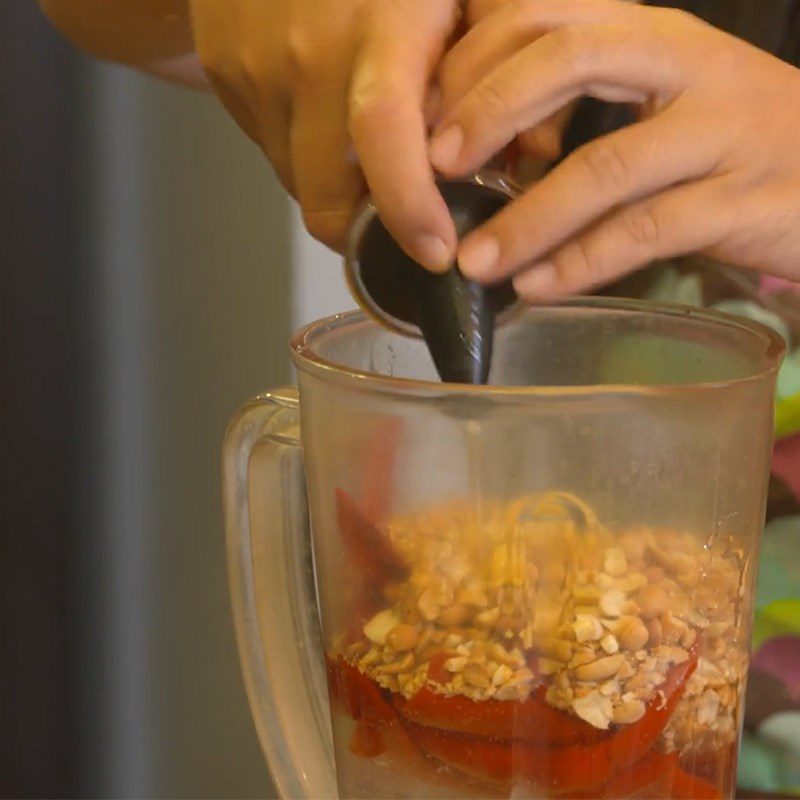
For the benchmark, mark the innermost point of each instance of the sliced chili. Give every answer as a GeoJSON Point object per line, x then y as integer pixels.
{"type": "Point", "coordinates": [367, 544]}
{"type": "Point", "coordinates": [378, 461]}
{"type": "Point", "coordinates": [686, 786]}
{"type": "Point", "coordinates": [650, 778]}
{"type": "Point", "coordinates": [531, 720]}
{"type": "Point", "coordinates": [632, 742]}
{"type": "Point", "coordinates": [367, 740]}
{"type": "Point", "coordinates": [560, 770]}
{"type": "Point", "coordinates": [437, 672]}
{"type": "Point", "coordinates": [485, 740]}
{"type": "Point", "coordinates": [360, 696]}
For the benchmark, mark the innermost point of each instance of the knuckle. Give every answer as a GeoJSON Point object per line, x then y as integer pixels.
{"type": "Point", "coordinates": [251, 71]}
{"type": "Point", "coordinates": [530, 14]}
{"type": "Point", "coordinates": [451, 78]}
{"type": "Point", "coordinates": [677, 17]}
{"type": "Point", "coordinates": [574, 47]}
{"type": "Point", "coordinates": [518, 8]}
{"type": "Point", "coordinates": [208, 49]}
{"type": "Point", "coordinates": [491, 100]}
{"type": "Point", "coordinates": [671, 25]}
{"type": "Point", "coordinates": [643, 227]}
{"type": "Point", "coordinates": [327, 225]}
{"type": "Point", "coordinates": [478, 9]}
{"type": "Point", "coordinates": [726, 58]}
{"type": "Point", "coordinates": [372, 106]}
{"type": "Point", "coordinates": [364, 110]}
{"type": "Point", "coordinates": [576, 265]}
{"type": "Point", "coordinates": [216, 78]}
{"type": "Point", "coordinates": [301, 56]}
{"type": "Point", "coordinates": [240, 75]}
{"type": "Point", "coordinates": [208, 55]}
{"type": "Point", "coordinates": [608, 167]}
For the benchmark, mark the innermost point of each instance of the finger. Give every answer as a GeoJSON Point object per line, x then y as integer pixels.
{"type": "Point", "coordinates": [273, 125]}
{"type": "Point", "coordinates": [512, 26]}
{"type": "Point", "coordinates": [615, 63]}
{"type": "Point", "coordinates": [327, 175]}
{"type": "Point", "coordinates": [476, 54]}
{"type": "Point", "coordinates": [479, 9]}
{"type": "Point", "coordinates": [402, 43]}
{"type": "Point", "coordinates": [235, 105]}
{"type": "Point", "coordinates": [545, 140]}
{"type": "Point", "coordinates": [617, 169]}
{"type": "Point", "coordinates": [268, 129]}
{"type": "Point", "coordinates": [432, 105]}
{"type": "Point", "coordinates": [686, 219]}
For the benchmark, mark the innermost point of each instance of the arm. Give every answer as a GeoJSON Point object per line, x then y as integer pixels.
{"type": "Point", "coordinates": [152, 35]}
{"type": "Point", "coordinates": [301, 76]}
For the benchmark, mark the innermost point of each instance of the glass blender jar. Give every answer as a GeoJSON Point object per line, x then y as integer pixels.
{"type": "Point", "coordinates": [537, 588]}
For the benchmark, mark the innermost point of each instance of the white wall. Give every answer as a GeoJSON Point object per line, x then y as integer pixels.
{"type": "Point", "coordinates": [191, 246]}
{"type": "Point", "coordinates": [318, 285]}
{"type": "Point", "coordinates": [202, 271]}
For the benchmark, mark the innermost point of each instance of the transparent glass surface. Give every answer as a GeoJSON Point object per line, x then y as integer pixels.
{"type": "Point", "coordinates": [541, 588]}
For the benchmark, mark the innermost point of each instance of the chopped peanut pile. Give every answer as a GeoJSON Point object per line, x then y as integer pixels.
{"type": "Point", "coordinates": [538, 595]}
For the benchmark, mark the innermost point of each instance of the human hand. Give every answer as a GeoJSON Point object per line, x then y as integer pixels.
{"type": "Point", "coordinates": [330, 88]}
{"type": "Point", "coordinates": [713, 165]}
{"type": "Point", "coordinates": [455, 77]}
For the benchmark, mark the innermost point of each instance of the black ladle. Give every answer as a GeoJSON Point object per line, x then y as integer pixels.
{"type": "Point", "coordinates": [456, 317]}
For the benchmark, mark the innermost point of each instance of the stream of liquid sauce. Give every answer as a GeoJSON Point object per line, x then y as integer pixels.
{"type": "Point", "coordinates": [475, 465]}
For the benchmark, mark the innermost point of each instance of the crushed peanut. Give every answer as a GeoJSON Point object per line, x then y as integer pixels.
{"type": "Point", "coordinates": [587, 628]}
{"type": "Point", "coordinates": [540, 593]}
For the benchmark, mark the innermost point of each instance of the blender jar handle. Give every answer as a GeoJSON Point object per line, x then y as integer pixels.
{"type": "Point", "coordinates": [274, 597]}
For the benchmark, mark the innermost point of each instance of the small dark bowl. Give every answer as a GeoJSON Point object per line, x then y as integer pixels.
{"type": "Point", "coordinates": [455, 316]}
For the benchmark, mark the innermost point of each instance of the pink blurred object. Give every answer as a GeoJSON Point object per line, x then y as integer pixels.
{"type": "Point", "coordinates": [780, 657]}
{"type": "Point", "coordinates": [786, 462]}
{"type": "Point", "coordinates": [772, 285]}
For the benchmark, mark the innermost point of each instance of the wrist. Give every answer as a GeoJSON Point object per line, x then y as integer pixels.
{"type": "Point", "coordinates": [139, 33]}
{"type": "Point", "coordinates": [185, 70]}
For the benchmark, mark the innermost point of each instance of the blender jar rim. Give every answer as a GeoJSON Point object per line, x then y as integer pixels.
{"type": "Point", "coordinates": [308, 359]}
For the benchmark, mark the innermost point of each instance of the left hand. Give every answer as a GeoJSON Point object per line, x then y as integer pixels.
{"type": "Point", "coordinates": [334, 93]}
{"type": "Point", "coordinates": [713, 165]}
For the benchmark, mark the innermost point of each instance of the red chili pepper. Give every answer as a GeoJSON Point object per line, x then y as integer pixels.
{"type": "Point", "coordinates": [378, 730]}
{"type": "Point", "coordinates": [367, 740]}
{"type": "Point", "coordinates": [655, 777]}
{"type": "Point", "coordinates": [562, 769]}
{"type": "Point", "coordinates": [379, 459]}
{"type": "Point", "coordinates": [717, 767]}
{"type": "Point", "coordinates": [374, 560]}
{"type": "Point", "coordinates": [360, 696]}
{"type": "Point", "coordinates": [367, 544]}
{"type": "Point", "coordinates": [650, 778]}
{"type": "Point", "coordinates": [571, 768]}
{"type": "Point", "coordinates": [363, 701]}
{"type": "Point", "coordinates": [632, 742]}
{"type": "Point", "coordinates": [437, 672]}
{"type": "Point", "coordinates": [598, 770]}
{"type": "Point", "coordinates": [531, 720]}
{"type": "Point", "coordinates": [686, 786]}
{"type": "Point", "coordinates": [335, 687]}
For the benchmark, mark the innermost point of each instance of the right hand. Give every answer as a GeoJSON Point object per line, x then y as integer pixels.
{"type": "Point", "coordinates": [712, 166]}
{"type": "Point", "coordinates": [328, 88]}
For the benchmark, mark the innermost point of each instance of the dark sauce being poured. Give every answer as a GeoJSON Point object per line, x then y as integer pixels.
{"type": "Point", "coordinates": [456, 316]}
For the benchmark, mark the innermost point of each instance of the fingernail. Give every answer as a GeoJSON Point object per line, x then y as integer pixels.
{"type": "Point", "coordinates": [536, 283]}
{"type": "Point", "coordinates": [445, 147]}
{"type": "Point", "coordinates": [433, 253]}
{"type": "Point", "coordinates": [478, 257]}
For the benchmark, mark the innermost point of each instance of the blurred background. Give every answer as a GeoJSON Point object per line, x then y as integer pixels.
{"type": "Point", "coordinates": [152, 271]}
